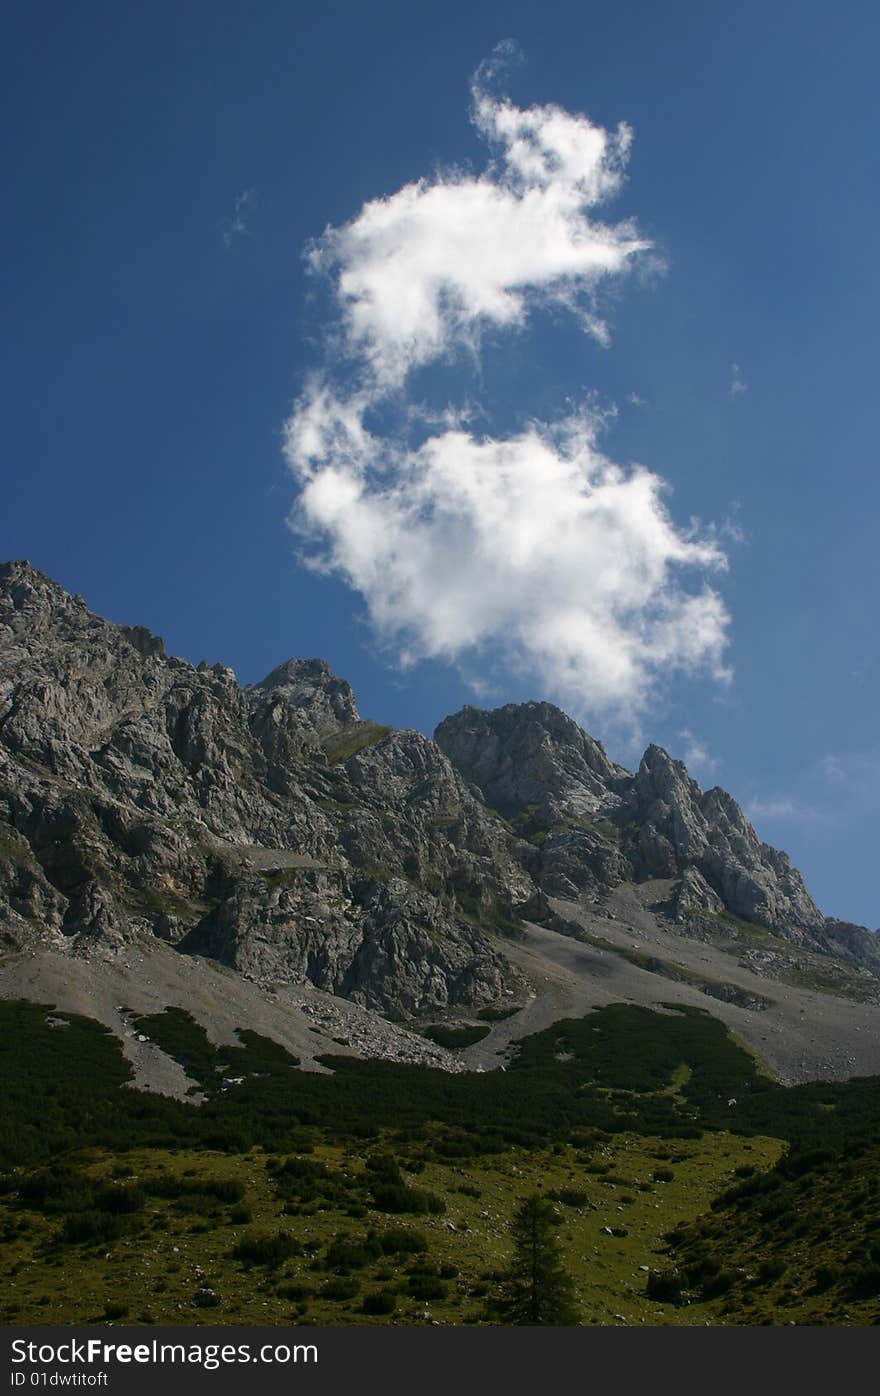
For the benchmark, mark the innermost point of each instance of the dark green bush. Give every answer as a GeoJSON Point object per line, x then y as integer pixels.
{"type": "Point", "coordinates": [571, 1197]}
{"type": "Point", "coordinates": [294, 1290]}
{"type": "Point", "coordinates": [397, 1198]}
{"type": "Point", "coordinates": [340, 1288]}
{"type": "Point", "coordinates": [400, 1240]}
{"type": "Point", "coordinates": [269, 1248]}
{"type": "Point", "coordinates": [664, 1286]}
{"type": "Point", "coordinates": [346, 1253]}
{"type": "Point", "coordinates": [379, 1301]}
{"type": "Point", "coordinates": [864, 1282]}
{"type": "Point", "coordinates": [426, 1287]}
{"type": "Point", "coordinates": [94, 1227]}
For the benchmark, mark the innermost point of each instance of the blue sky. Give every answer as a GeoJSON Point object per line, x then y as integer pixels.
{"type": "Point", "coordinates": [167, 165]}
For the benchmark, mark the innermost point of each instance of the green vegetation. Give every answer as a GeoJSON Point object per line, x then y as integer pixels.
{"type": "Point", "coordinates": [799, 1242]}
{"type": "Point", "coordinates": [537, 1289]}
{"type": "Point", "coordinates": [161, 901]}
{"type": "Point", "coordinates": [350, 740]}
{"type": "Point", "coordinates": [384, 1191]}
{"type": "Point", "coordinates": [452, 1037]}
{"type": "Point", "coordinates": [16, 850]}
{"type": "Point", "coordinates": [492, 912]}
{"type": "Point", "coordinates": [280, 877]}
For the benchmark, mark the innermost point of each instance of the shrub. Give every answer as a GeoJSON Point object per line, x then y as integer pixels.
{"type": "Point", "coordinates": [379, 1301]}
{"type": "Point", "coordinates": [664, 1286]}
{"type": "Point", "coordinates": [347, 1253]}
{"type": "Point", "coordinates": [454, 1037]}
{"type": "Point", "coordinates": [122, 1200]}
{"type": "Point", "coordinates": [340, 1288]}
{"type": "Point", "coordinates": [865, 1281]}
{"type": "Point", "coordinates": [82, 1227]}
{"type": "Point", "coordinates": [294, 1291]}
{"type": "Point", "coordinates": [266, 1248]}
{"type": "Point", "coordinates": [826, 1276]}
{"type": "Point", "coordinates": [717, 1284]}
{"type": "Point", "coordinates": [400, 1240]}
{"type": "Point", "coordinates": [397, 1197]}
{"type": "Point", "coordinates": [426, 1287]}
{"type": "Point", "coordinates": [569, 1196]}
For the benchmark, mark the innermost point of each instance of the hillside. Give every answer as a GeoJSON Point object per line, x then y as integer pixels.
{"type": "Point", "coordinates": [374, 989]}
{"type": "Point", "coordinates": [164, 825]}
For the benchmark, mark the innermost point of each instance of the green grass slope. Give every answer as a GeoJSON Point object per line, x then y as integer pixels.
{"type": "Point", "coordinates": [383, 1193]}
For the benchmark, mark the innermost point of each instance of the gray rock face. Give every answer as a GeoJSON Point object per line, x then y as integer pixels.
{"type": "Point", "coordinates": [596, 824]}
{"type": "Point", "coordinates": [680, 829]}
{"type": "Point", "coordinates": [530, 759]}
{"type": "Point", "coordinates": [274, 829]}
{"type": "Point", "coordinates": [136, 791]}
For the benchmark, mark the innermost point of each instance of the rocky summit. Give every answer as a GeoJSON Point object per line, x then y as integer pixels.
{"type": "Point", "coordinates": [270, 828]}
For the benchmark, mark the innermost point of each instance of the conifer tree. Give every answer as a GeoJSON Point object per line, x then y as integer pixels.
{"type": "Point", "coordinates": [537, 1289]}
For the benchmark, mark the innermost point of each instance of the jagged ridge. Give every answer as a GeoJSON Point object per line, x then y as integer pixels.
{"type": "Point", "coordinates": [274, 829]}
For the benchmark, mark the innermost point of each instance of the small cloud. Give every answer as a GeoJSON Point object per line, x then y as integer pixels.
{"type": "Point", "coordinates": [780, 807]}
{"type": "Point", "coordinates": [236, 225]}
{"type": "Point", "coordinates": [730, 529]}
{"type": "Point", "coordinates": [635, 400]}
{"type": "Point", "coordinates": [738, 384]}
{"type": "Point", "coordinates": [855, 774]}
{"type": "Point", "coordinates": [696, 755]}
{"type": "Point", "coordinates": [833, 768]}
{"type": "Point", "coordinates": [863, 669]}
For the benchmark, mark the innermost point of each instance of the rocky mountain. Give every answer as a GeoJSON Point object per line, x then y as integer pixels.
{"type": "Point", "coordinates": [272, 829]}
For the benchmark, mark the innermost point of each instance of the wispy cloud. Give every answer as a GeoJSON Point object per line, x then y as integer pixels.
{"type": "Point", "coordinates": [778, 807]}
{"type": "Point", "coordinates": [738, 384]}
{"type": "Point", "coordinates": [833, 769]}
{"type": "Point", "coordinates": [532, 550]}
{"type": "Point", "coordinates": [697, 757]}
{"type": "Point", "coordinates": [839, 785]}
{"type": "Point", "coordinates": [853, 774]}
{"type": "Point", "coordinates": [236, 224]}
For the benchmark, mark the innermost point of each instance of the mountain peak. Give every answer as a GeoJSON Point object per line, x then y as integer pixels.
{"type": "Point", "coordinates": [310, 684]}
{"type": "Point", "coordinates": [130, 784]}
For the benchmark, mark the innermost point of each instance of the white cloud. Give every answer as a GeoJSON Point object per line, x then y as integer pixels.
{"type": "Point", "coordinates": [738, 384]}
{"type": "Point", "coordinates": [430, 267]}
{"type": "Point", "coordinates": [697, 757]}
{"type": "Point", "coordinates": [777, 807]}
{"type": "Point", "coordinates": [838, 786]}
{"type": "Point", "coordinates": [532, 549]}
{"type": "Point", "coordinates": [535, 543]}
{"type": "Point", "coordinates": [833, 769]}
{"type": "Point", "coordinates": [236, 224]}
{"type": "Point", "coordinates": [855, 774]}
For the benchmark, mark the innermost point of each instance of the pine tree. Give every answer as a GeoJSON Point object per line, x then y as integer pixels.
{"type": "Point", "coordinates": [537, 1289]}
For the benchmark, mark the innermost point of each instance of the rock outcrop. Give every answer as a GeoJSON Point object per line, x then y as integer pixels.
{"type": "Point", "coordinates": [274, 829]}
{"type": "Point", "coordinates": [594, 823]}
{"type": "Point", "coordinates": [269, 826]}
